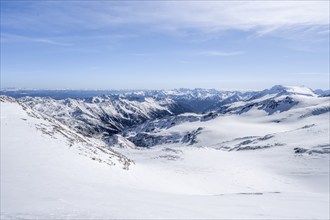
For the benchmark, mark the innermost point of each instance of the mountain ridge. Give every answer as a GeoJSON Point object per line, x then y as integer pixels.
{"type": "Point", "coordinates": [144, 112]}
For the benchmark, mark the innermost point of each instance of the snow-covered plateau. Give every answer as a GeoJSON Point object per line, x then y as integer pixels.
{"type": "Point", "coordinates": [177, 154]}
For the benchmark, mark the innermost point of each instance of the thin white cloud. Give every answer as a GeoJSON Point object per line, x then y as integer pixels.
{"type": "Point", "coordinates": [262, 17]}
{"type": "Point", "coordinates": [218, 53]}
{"type": "Point", "coordinates": [312, 74]}
{"type": "Point", "coordinates": [10, 38]}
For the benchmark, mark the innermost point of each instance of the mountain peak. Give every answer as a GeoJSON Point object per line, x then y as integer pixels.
{"type": "Point", "coordinates": [297, 90]}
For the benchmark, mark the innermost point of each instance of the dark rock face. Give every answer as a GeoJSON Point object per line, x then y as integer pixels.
{"type": "Point", "coordinates": [150, 140]}
{"type": "Point", "coordinates": [144, 139]}
{"type": "Point", "coordinates": [272, 106]}
{"type": "Point", "coordinates": [299, 150]}
{"type": "Point", "coordinates": [190, 138]}
{"type": "Point", "coordinates": [319, 149]}
{"type": "Point", "coordinates": [209, 116]}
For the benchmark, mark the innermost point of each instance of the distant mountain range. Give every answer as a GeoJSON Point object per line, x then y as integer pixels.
{"type": "Point", "coordinates": [136, 115]}
{"type": "Point", "coordinates": [86, 93]}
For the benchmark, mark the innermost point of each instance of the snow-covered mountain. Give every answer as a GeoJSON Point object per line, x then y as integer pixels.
{"type": "Point", "coordinates": [30, 123]}
{"type": "Point", "coordinates": [276, 99]}
{"type": "Point", "coordinates": [322, 92]}
{"type": "Point", "coordinates": [278, 105]}
{"type": "Point", "coordinates": [169, 154]}
{"type": "Point", "coordinates": [141, 117]}
{"type": "Point", "coordinates": [105, 114]}
{"type": "Point", "coordinates": [198, 100]}
{"type": "Point", "coordinates": [109, 114]}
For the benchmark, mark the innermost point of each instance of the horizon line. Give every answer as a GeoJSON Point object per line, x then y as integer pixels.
{"type": "Point", "coordinates": [144, 89]}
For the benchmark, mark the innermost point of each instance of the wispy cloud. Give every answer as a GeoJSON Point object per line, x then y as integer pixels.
{"type": "Point", "coordinates": [262, 17]}
{"type": "Point", "coordinates": [218, 53]}
{"type": "Point", "coordinates": [10, 38]}
{"type": "Point", "coordinates": [312, 74]}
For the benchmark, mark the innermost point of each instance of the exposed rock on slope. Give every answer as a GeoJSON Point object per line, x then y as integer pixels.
{"type": "Point", "coordinates": [51, 128]}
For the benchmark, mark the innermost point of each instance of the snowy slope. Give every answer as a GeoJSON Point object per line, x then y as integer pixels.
{"type": "Point", "coordinates": [38, 127]}
{"type": "Point", "coordinates": [251, 165]}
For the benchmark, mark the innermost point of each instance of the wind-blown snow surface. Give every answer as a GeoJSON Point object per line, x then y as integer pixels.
{"type": "Point", "coordinates": [248, 165]}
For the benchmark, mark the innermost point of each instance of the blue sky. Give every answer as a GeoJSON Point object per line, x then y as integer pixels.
{"type": "Point", "coordinates": [163, 45]}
